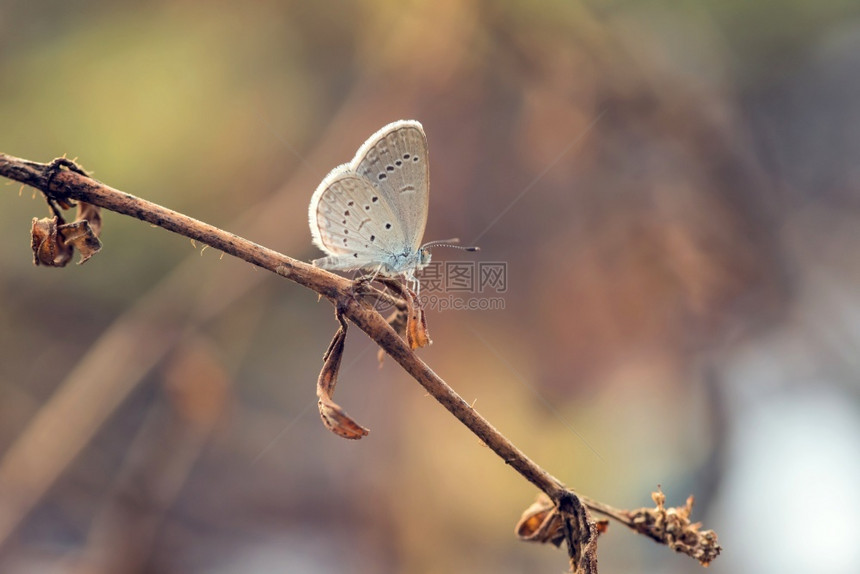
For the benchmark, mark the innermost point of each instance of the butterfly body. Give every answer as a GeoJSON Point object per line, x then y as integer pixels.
{"type": "Point", "coordinates": [370, 213]}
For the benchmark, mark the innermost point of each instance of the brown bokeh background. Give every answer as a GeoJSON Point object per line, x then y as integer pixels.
{"type": "Point", "coordinates": [673, 187]}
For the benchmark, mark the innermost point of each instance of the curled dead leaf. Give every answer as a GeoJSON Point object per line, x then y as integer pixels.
{"type": "Point", "coordinates": [416, 323]}
{"type": "Point", "coordinates": [337, 421]}
{"type": "Point", "coordinates": [568, 522]}
{"type": "Point", "coordinates": [52, 239]}
{"type": "Point", "coordinates": [49, 247]}
{"type": "Point", "coordinates": [333, 416]}
{"type": "Point", "coordinates": [82, 237]}
{"type": "Point", "coordinates": [92, 214]}
{"type": "Point", "coordinates": [541, 522]}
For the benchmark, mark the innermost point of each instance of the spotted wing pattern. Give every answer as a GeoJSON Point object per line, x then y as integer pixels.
{"type": "Point", "coordinates": [395, 160]}
{"type": "Point", "coordinates": [354, 225]}
{"type": "Point", "coordinates": [371, 212]}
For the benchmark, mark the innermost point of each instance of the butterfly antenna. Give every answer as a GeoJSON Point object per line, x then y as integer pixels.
{"type": "Point", "coordinates": [453, 242]}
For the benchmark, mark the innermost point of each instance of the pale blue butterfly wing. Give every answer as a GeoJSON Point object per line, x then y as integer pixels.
{"type": "Point", "coordinates": [371, 213]}
{"type": "Point", "coordinates": [395, 160]}
{"type": "Point", "coordinates": [347, 221]}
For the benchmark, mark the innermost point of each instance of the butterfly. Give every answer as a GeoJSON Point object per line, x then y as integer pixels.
{"type": "Point", "coordinates": [370, 213]}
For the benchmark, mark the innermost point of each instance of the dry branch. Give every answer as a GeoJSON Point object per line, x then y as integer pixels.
{"type": "Point", "coordinates": [63, 182]}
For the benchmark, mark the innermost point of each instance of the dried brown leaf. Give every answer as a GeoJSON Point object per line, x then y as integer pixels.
{"type": "Point", "coordinates": [333, 416]}
{"type": "Point", "coordinates": [48, 245]}
{"type": "Point", "coordinates": [82, 237]}
{"type": "Point", "coordinates": [672, 527]}
{"type": "Point", "coordinates": [337, 421]}
{"type": "Point", "coordinates": [541, 522]}
{"type": "Point", "coordinates": [417, 335]}
{"type": "Point", "coordinates": [65, 203]}
{"type": "Point", "coordinates": [53, 240]}
{"type": "Point", "coordinates": [568, 522]}
{"type": "Point", "coordinates": [92, 214]}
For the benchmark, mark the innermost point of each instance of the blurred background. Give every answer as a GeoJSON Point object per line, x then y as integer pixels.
{"type": "Point", "coordinates": [673, 189]}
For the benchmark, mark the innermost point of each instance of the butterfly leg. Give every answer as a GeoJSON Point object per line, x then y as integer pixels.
{"type": "Point", "coordinates": [362, 286]}
{"type": "Point", "coordinates": [365, 279]}
{"type": "Point", "coordinates": [413, 283]}
{"type": "Point", "coordinates": [375, 273]}
{"type": "Point", "coordinates": [370, 279]}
